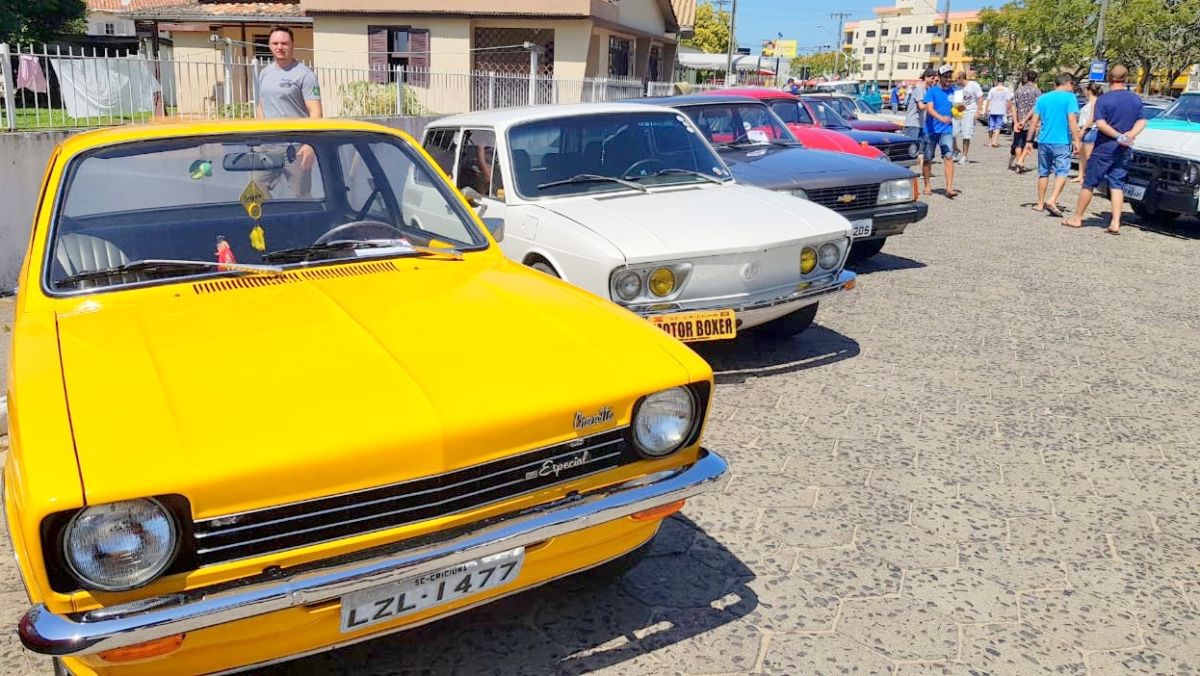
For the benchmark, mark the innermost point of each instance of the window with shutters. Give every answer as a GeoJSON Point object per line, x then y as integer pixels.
{"type": "Point", "coordinates": [399, 51]}
{"type": "Point", "coordinates": [620, 57]}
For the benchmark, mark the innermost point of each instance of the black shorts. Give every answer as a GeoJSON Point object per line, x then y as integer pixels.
{"type": "Point", "coordinates": [1018, 141]}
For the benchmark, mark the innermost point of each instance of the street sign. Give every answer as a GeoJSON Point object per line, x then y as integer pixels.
{"type": "Point", "coordinates": [1098, 71]}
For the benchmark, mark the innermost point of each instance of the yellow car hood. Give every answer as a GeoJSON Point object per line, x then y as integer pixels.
{"type": "Point", "coordinates": [239, 398]}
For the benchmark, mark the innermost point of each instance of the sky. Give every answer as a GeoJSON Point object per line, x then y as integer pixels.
{"type": "Point", "coordinates": [808, 22]}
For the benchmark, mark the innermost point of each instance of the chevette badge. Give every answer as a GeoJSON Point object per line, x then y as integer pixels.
{"type": "Point", "coordinates": [556, 467]}
{"type": "Point", "coordinates": [602, 416]}
{"type": "Point", "coordinates": [847, 198]}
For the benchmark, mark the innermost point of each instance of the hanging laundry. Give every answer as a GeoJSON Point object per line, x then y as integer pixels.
{"type": "Point", "coordinates": [30, 75]}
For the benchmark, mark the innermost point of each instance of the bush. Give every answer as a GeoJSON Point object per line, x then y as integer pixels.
{"type": "Point", "coordinates": [238, 111]}
{"type": "Point", "coordinates": [368, 99]}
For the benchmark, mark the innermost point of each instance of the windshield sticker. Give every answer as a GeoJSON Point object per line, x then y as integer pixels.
{"type": "Point", "coordinates": [200, 169]}
{"type": "Point", "coordinates": [758, 136]}
{"type": "Point", "coordinates": [224, 252]}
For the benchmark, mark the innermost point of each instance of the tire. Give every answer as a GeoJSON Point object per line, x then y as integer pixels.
{"type": "Point", "coordinates": [861, 251]}
{"type": "Point", "coordinates": [786, 326]}
{"type": "Point", "coordinates": [542, 266]}
{"type": "Point", "coordinates": [1152, 215]}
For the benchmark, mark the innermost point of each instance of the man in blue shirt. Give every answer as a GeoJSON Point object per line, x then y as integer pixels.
{"type": "Point", "coordinates": [1118, 121]}
{"type": "Point", "coordinates": [1055, 125]}
{"type": "Point", "coordinates": [939, 129]}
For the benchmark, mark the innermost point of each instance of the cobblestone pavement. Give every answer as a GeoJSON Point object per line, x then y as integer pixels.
{"type": "Point", "coordinates": [989, 462]}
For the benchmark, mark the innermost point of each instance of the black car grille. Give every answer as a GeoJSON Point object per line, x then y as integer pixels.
{"type": "Point", "coordinates": [305, 523]}
{"type": "Point", "coordinates": [847, 198]}
{"type": "Point", "coordinates": [898, 152]}
{"type": "Point", "coordinates": [1165, 169]}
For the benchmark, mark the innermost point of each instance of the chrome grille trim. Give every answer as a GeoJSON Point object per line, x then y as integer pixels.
{"type": "Point", "coordinates": [864, 196]}
{"type": "Point", "coordinates": [309, 522]}
{"type": "Point", "coordinates": [898, 152]}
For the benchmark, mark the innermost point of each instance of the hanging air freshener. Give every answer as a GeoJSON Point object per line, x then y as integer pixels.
{"type": "Point", "coordinates": [258, 238]}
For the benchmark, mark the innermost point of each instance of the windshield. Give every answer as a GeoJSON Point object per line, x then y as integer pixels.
{"type": "Point", "coordinates": [207, 204]}
{"type": "Point", "coordinates": [830, 119]}
{"type": "Point", "coordinates": [851, 88]}
{"type": "Point", "coordinates": [737, 124]}
{"type": "Point", "coordinates": [791, 112]}
{"type": "Point", "coordinates": [1187, 108]}
{"type": "Point", "coordinates": [651, 148]}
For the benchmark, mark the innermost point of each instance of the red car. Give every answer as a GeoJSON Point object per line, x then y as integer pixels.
{"type": "Point", "coordinates": [802, 123]}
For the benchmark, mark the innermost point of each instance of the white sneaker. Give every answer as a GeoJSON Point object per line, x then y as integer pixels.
{"type": "Point", "coordinates": [962, 160]}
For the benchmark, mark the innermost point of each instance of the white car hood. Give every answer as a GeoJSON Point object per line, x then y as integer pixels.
{"type": "Point", "coordinates": [696, 221]}
{"type": "Point", "coordinates": [1171, 142]}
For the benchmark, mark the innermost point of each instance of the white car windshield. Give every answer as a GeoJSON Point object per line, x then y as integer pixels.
{"type": "Point", "coordinates": [607, 152]}
{"type": "Point", "coordinates": [151, 210]}
{"type": "Point", "coordinates": [1187, 109]}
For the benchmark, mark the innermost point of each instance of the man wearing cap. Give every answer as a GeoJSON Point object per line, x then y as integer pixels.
{"type": "Point", "coordinates": [939, 129]}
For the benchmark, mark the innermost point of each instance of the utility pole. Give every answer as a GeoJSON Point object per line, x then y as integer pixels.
{"type": "Point", "coordinates": [1100, 30]}
{"type": "Point", "coordinates": [729, 80]}
{"type": "Point", "coordinates": [878, 44]}
{"type": "Point", "coordinates": [841, 40]}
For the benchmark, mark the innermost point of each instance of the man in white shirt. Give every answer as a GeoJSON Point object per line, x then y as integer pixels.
{"type": "Point", "coordinates": [972, 94]}
{"type": "Point", "coordinates": [998, 98]}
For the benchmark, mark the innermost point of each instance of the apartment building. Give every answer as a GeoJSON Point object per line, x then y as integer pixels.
{"type": "Point", "coordinates": [903, 40]}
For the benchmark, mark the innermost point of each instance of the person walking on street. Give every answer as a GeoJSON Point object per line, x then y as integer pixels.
{"type": "Point", "coordinates": [914, 113]}
{"type": "Point", "coordinates": [287, 87]}
{"type": "Point", "coordinates": [1118, 120]}
{"type": "Point", "coordinates": [997, 105]}
{"type": "Point", "coordinates": [894, 97]}
{"type": "Point", "coordinates": [1087, 127]}
{"type": "Point", "coordinates": [972, 94]}
{"type": "Point", "coordinates": [1020, 109]}
{"type": "Point", "coordinates": [939, 129]}
{"type": "Point", "coordinates": [1056, 125]}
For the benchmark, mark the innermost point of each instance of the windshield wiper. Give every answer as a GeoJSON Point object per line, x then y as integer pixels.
{"type": "Point", "coordinates": [303, 253]}
{"type": "Point", "coordinates": [592, 178]}
{"type": "Point", "coordinates": [166, 265]}
{"type": "Point", "coordinates": [687, 172]}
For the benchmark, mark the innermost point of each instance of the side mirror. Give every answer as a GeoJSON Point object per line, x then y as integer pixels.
{"type": "Point", "coordinates": [496, 227]}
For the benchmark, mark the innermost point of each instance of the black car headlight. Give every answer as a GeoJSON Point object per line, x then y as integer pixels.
{"type": "Point", "coordinates": [120, 545]}
{"type": "Point", "coordinates": [664, 421]}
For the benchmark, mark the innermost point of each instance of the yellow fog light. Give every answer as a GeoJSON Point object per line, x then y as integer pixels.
{"type": "Point", "coordinates": [808, 260]}
{"type": "Point", "coordinates": [662, 282]}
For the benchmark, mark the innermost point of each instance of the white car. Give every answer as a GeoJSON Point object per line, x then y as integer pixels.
{"type": "Point", "coordinates": [630, 202]}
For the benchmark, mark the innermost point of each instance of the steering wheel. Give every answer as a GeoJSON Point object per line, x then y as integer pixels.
{"type": "Point", "coordinates": [370, 230]}
{"type": "Point", "coordinates": [648, 160]}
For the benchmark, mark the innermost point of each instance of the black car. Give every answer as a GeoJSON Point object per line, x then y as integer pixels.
{"type": "Point", "coordinates": [878, 198]}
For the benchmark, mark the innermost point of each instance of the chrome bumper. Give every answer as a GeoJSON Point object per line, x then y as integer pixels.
{"type": "Point", "coordinates": [145, 620]}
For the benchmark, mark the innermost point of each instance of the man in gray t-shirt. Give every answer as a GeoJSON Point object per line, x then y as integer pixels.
{"type": "Point", "coordinates": [914, 112]}
{"type": "Point", "coordinates": [287, 88]}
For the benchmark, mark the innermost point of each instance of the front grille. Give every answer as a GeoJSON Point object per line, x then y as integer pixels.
{"type": "Point", "coordinates": [339, 516]}
{"type": "Point", "coordinates": [839, 199]}
{"type": "Point", "coordinates": [898, 152]}
{"type": "Point", "coordinates": [1165, 169]}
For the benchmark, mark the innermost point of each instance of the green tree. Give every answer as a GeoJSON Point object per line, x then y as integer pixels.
{"type": "Point", "coordinates": [1153, 36]}
{"type": "Point", "coordinates": [40, 20]}
{"type": "Point", "coordinates": [994, 45]}
{"type": "Point", "coordinates": [711, 30]}
{"type": "Point", "coordinates": [822, 63]}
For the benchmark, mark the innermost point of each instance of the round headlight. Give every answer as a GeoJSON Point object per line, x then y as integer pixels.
{"type": "Point", "coordinates": [829, 255]}
{"type": "Point", "coordinates": [120, 546]}
{"type": "Point", "coordinates": [808, 260]}
{"type": "Point", "coordinates": [661, 282]}
{"type": "Point", "coordinates": [627, 285]}
{"type": "Point", "coordinates": [913, 149]}
{"type": "Point", "coordinates": [664, 421]}
{"type": "Point", "coordinates": [799, 192]}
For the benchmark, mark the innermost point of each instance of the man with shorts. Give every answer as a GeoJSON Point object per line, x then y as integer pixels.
{"type": "Point", "coordinates": [939, 129]}
{"type": "Point", "coordinates": [1118, 122]}
{"type": "Point", "coordinates": [914, 107]}
{"type": "Point", "coordinates": [1020, 109]}
{"type": "Point", "coordinates": [998, 97]}
{"type": "Point", "coordinates": [288, 88]}
{"type": "Point", "coordinates": [1055, 124]}
{"type": "Point", "coordinates": [972, 94]}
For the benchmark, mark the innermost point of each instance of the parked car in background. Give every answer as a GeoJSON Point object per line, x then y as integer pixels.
{"type": "Point", "coordinates": [629, 202]}
{"type": "Point", "coordinates": [1154, 106]}
{"type": "Point", "coordinates": [879, 198]}
{"type": "Point", "coordinates": [241, 429]}
{"type": "Point", "coordinates": [856, 113]}
{"type": "Point", "coordinates": [899, 148]}
{"type": "Point", "coordinates": [800, 121]}
{"type": "Point", "coordinates": [869, 93]}
{"type": "Point", "coordinates": [1164, 170]}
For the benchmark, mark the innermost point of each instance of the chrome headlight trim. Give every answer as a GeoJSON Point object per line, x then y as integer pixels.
{"type": "Point", "coordinates": [642, 273]}
{"type": "Point", "coordinates": [664, 421]}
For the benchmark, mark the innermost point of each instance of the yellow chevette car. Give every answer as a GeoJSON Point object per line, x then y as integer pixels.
{"type": "Point", "coordinates": [256, 412]}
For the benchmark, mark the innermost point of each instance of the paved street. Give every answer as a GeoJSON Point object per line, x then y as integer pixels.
{"type": "Point", "coordinates": [988, 462]}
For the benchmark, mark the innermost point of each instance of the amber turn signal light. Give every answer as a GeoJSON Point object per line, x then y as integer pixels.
{"type": "Point", "coordinates": [141, 651]}
{"type": "Point", "coordinates": [659, 512]}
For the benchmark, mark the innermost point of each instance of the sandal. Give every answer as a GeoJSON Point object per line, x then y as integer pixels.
{"type": "Point", "coordinates": [1054, 211]}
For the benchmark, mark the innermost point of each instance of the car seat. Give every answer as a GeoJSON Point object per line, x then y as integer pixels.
{"type": "Point", "coordinates": [78, 253]}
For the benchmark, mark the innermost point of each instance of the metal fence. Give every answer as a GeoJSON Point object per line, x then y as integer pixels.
{"type": "Point", "coordinates": [59, 87]}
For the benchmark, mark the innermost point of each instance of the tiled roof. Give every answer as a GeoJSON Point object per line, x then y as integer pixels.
{"type": "Point", "coordinates": [193, 9]}
{"type": "Point", "coordinates": [685, 12]}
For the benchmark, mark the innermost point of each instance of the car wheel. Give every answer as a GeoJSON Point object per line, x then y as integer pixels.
{"type": "Point", "coordinates": [612, 571]}
{"type": "Point", "coordinates": [862, 250]}
{"type": "Point", "coordinates": [1151, 215]}
{"type": "Point", "coordinates": [543, 266]}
